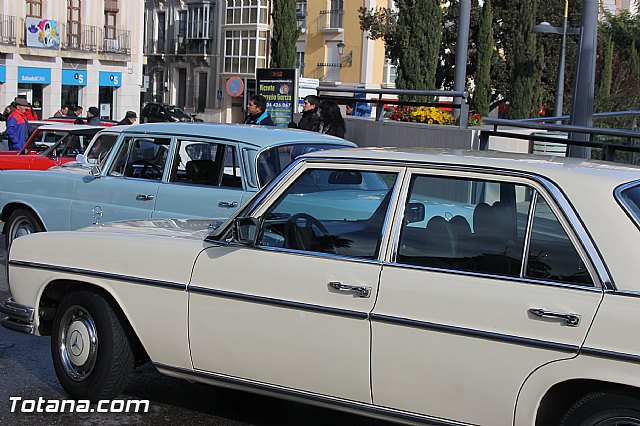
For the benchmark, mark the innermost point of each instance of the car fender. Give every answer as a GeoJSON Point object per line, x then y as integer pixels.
{"type": "Point", "coordinates": [582, 367]}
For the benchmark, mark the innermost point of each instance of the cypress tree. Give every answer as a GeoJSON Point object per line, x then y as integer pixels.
{"type": "Point", "coordinates": [285, 34]}
{"type": "Point", "coordinates": [607, 69]}
{"type": "Point", "coordinates": [634, 61]}
{"type": "Point", "coordinates": [523, 101]}
{"type": "Point", "coordinates": [418, 34]}
{"type": "Point", "coordinates": [482, 93]}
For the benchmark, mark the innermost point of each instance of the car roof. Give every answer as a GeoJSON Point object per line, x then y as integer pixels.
{"type": "Point", "coordinates": [557, 169]}
{"type": "Point", "coordinates": [259, 136]}
{"type": "Point", "coordinates": [66, 127]}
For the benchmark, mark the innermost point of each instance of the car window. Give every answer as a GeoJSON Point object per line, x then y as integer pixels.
{"type": "Point", "coordinates": [272, 161]}
{"type": "Point", "coordinates": [480, 226]}
{"type": "Point", "coordinates": [207, 163]}
{"type": "Point", "coordinates": [100, 148]}
{"type": "Point", "coordinates": [142, 158]}
{"type": "Point", "coordinates": [552, 256]}
{"type": "Point", "coordinates": [344, 217]}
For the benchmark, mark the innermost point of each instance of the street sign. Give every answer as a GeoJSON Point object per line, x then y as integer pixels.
{"type": "Point", "coordinates": [235, 87]}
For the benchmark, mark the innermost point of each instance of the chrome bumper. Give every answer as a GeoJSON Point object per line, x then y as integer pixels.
{"type": "Point", "coordinates": [16, 317]}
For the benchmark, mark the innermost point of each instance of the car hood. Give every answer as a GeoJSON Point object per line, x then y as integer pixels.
{"type": "Point", "coordinates": [175, 228]}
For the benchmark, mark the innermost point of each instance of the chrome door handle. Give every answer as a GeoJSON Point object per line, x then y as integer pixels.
{"type": "Point", "coordinates": [572, 320]}
{"type": "Point", "coordinates": [228, 205]}
{"type": "Point", "coordinates": [144, 197]}
{"type": "Point", "coordinates": [360, 290]}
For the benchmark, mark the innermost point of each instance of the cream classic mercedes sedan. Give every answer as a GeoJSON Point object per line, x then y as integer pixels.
{"type": "Point", "coordinates": [439, 287]}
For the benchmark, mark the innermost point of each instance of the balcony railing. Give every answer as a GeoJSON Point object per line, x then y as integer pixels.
{"type": "Point", "coordinates": [195, 47]}
{"type": "Point", "coordinates": [81, 37]}
{"type": "Point", "coordinates": [119, 43]}
{"type": "Point", "coordinates": [7, 29]}
{"type": "Point", "coordinates": [334, 18]}
{"type": "Point", "coordinates": [156, 47]}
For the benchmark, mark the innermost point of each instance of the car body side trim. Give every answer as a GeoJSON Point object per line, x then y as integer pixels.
{"type": "Point", "coordinates": [476, 333]}
{"type": "Point", "coordinates": [302, 396]}
{"type": "Point", "coordinates": [278, 302]}
{"type": "Point", "coordinates": [618, 356]}
{"type": "Point", "coordinates": [137, 280]}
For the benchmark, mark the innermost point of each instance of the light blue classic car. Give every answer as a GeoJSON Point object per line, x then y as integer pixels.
{"type": "Point", "coordinates": [154, 170]}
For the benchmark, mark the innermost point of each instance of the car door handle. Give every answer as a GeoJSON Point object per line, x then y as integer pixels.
{"type": "Point", "coordinates": [144, 197]}
{"type": "Point", "coordinates": [572, 320]}
{"type": "Point", "coordinates": [360, 290]}
{"type": "Point", "coordinates": [228, 205]}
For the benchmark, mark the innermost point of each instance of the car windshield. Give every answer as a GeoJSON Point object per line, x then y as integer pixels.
{"type": "Point", "coordinates": [175, 110]}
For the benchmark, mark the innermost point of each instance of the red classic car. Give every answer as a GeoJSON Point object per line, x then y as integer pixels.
{"type": "Point", "coordinates": [49, 145]}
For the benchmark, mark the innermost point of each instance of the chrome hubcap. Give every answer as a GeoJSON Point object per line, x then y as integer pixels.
{"type": "Point", "coordinates": [20, 228]}
{"type": "Point", "coordinates": [78, 343]}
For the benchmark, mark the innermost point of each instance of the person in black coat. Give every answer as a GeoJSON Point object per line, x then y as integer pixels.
{"type": "Point", "coordinates": [310, 119]}
{"type": "Point", "coordinates": [331, 121]}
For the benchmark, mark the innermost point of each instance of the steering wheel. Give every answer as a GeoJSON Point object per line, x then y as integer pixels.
{"type": "Point", "coordinates": [149, 170]}
{"type": "Point", "coordinates": [303, 237]}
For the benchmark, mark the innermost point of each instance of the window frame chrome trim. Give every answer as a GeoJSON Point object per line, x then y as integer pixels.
{"type": "Point", "coordinates": [371, 410]}
{"type": "Point", "coordinates": [137, 280]}
{"type": "Point", "coordinates": [467, 332]}
{"type": "Point", "coordinates": [617, 194]}
{"type": "Point", "coordinates": [277, 302]}
{"type": "Point", "coordinates": [527, 235]}
{"type": "Point", "coordinates": [594, 256]}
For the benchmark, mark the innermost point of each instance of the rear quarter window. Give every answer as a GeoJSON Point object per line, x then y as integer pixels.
{"type": "Point", "coordinates": [629, 196]}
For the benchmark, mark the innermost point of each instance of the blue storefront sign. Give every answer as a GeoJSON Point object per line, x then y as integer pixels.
{"type": "Point", "coordinates": [74, 78]}
{"type": "Point", "coordinates": [3, 73]}
{"type": "Point", "coordinates": [28, 75]}
{"type": "Point", "coordinates": [113, 79]}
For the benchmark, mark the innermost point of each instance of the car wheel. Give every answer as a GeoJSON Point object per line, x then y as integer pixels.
{"type": "Point", "coordinates": [21, 222]}
{"type": "Point", "coordinates": [604, 409]}
{"type": "Point", "coordinates": [91, 354]}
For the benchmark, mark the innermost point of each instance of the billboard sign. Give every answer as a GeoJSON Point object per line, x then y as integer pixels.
{"type": "Point", "coordinates": [279, 87]}
{"type": "Point", "coordinates": [43, 33]}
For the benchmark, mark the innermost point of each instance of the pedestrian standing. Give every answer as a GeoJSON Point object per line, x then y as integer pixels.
{"type": "Point", "coordinates": [18, 125]}
{"type": "Point", "coordinates": [257, 112]}
{"type": "Point", "coordinates": [62, 112]}
{"type": "Point", "coordinates": [331, 121]}
{"type": "Point", "coordinates": [310, 119]}
{"type": "Point", "coordinates": [129, 118]}
{"type": "Point", "coordinates": [93, 117]}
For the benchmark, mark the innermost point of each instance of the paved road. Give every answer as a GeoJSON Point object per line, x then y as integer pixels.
{"type": "Point", "coordinates": [26, 371]}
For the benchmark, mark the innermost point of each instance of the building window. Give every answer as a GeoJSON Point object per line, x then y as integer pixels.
{"type": "Point", "coordinates": [248, 12]}
{"type": "Point", "coordinates": [245, 50]}
{"type": "Point", "coordinates": [34, 8]}
{"type": "Point", "coordinates": [109, 25]}
{"type": "Point", "coordinates": [301, 13]}
{"type": "Point", "coordinates": [161, 32]}
{"type": "Point", "coordinates": [200, 23]}
{"type": "Point", "coordinates": [336, 12]}
{"type": "Point", "coordinates": [74, 22]}
{"type": "Point", "coordinates": [389, 73]}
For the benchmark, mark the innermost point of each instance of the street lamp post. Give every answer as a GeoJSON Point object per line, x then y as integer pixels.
{"type": "Point", "coordinates": [545, 27]}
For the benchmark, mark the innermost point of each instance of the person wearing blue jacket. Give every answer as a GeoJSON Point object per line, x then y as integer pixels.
{"type": "Point", "coordinates": [257, 112]}
{"type": "Point", "coordinates": [18, 125]}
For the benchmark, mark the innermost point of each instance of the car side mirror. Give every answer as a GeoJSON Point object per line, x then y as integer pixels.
{"type": "Point", "coordinates": [245, 230]}
{"type": "Point", "coordinates": [80, 158]}
{"type": "Point", "coordinates": [415, 212]}
{"type": "Point", "coordinates": [95, 171]}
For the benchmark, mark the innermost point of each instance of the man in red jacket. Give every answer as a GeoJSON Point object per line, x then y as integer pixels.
{"type": "Point", "coordinates": [18, 125]}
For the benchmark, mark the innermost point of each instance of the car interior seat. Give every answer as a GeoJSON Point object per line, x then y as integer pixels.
{"type": "Point", "coordinates": [201, 171]}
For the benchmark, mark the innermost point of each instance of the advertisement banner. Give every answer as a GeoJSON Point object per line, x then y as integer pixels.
{"type": "Point", "coordinates": [279, 87]}
{"type": "Point", "coordinates": [74, 78]}
{"type": "Point", "coordinates": [3, 73]}
{"type": "Point", "coordinates": [29, 75]}
{"type": "Point", "coordinates": [44, 33]}
{"type": "Point", "coordinates": [113, 79]}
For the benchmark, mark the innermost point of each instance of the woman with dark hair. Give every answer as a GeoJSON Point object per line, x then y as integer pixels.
{"type": "Point", "coordinates": [331, 121]}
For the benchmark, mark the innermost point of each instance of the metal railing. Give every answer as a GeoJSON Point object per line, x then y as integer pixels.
{"type": "Point", "coordinates": [84, 38]}
{"type": "Point", "coordinates": [334, 18]}
{"type": "Point", "coordinates": [460, 99]}
{"type": "Point", "coordinates": [174, 47]}
{"type": "Point", "coordinates": [120, 43]}
{"type": "Point", "coordinates": [612, 144]}
{"type": "Point", "coordinates": [156, 47]}
{"type": "Point", "coordinates": [7, 29]}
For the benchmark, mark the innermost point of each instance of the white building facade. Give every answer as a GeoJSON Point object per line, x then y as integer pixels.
{"type": "Point", "coordinates": [75, 52]}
